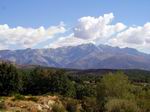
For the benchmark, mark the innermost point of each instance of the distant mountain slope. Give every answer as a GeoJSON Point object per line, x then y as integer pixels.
{"type": "Point", "coordinates": [86, 56]}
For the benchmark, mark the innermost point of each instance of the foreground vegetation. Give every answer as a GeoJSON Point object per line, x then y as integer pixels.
{"type": "Point", "coordinates": [113, 92]}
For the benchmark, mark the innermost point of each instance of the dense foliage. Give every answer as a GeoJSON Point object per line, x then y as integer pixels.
{"type": "Point", "coordinates": [10, 81]}
{"type": "Point", "coordinates": [114, 92]}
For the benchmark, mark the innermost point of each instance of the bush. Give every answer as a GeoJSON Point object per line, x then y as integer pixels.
{"type": "Point", "coordinates": [143, 101]}
{"type": "Point", "coordinates": [119, 105]}
{"type": "Point", "coordinates": [72, 106]}
{"type": "Point", "coordinates": [89, 105]}
{"type": "Point", "coordinates": [58, 108]}
{"type": "Point", "coordinates": [18, 97]}
{"type": "Point", "coordinates": [2, 104]}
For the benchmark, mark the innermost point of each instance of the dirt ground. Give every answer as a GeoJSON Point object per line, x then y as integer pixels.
{"type": "Point", "coordinates": [28, 104]}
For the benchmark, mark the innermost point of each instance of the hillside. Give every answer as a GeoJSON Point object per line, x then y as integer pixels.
{"type": "Point", "coordinates": [86, 56]}
{"type": "Point", "coordinates": [44, 89]}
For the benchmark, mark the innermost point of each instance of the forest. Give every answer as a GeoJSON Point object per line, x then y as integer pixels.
{"type": "Point", "coordinates": [117, 91]}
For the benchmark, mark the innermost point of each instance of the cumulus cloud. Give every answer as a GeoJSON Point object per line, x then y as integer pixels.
{"type": "Point", "coordinates": [101, 30]}
{"type": "Point", "coordinates": [87, 30]}
{"type": "Point", "coordinates": [135, 37]}
{"type": "Point", "coordinates": [26, 37]}
{"type": "Point", "coordinates": [68, 41]}
{"type": "Point", "coordinates": [92, 28]}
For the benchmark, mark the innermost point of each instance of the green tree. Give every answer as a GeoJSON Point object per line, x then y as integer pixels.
{"type": "Point", "coordinates": [113, 86]}
{"type": "Point", "coordinates": [38, 81]}
{"type": "Point", "coordinates": [60, 83]}
{"type": "Point", "coordinates": [10, 79]}
{"type": "Point", "coordinates": [84, 90]}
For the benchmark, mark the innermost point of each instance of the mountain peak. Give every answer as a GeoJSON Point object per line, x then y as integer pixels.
{"type": "Point", "coordinates": [84, 56]}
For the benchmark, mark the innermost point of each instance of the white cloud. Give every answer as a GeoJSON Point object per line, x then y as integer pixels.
{"type": "Point", "coordinates": [97, 28]}
{"type": "Point", "coordinates": [67, 41]}
{"type": "Point", "coordinates": [26, 37]}
{"type": "Point", "coordinates": [88, 29]}
{"type": "Point", "coordinates": [135, 37]}
{"type": "Point", "coordinates": [101, 30]}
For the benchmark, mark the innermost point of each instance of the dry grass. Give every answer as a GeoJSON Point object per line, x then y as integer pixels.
{"type": "Point", "coordinates": [30, 104]}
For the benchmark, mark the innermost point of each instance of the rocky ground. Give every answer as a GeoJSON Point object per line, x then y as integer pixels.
{"type": "Point", "coordinates": [28, 103]}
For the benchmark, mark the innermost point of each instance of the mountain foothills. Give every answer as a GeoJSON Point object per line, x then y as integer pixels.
{"type": "Point", "coordinates": [85, 56]}
{"type": "Point", "coordinates": [44, 89]}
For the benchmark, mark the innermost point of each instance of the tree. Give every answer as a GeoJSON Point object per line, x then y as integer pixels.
{"type": "Point", "coordinates": [61, 84]}
{"type": "Point", "coordinates": [84, 90]}
{"type": "Point", "coordinates": [10, 79]}
{"type": "Point", "coordinates": [38, 81]}
{"type": "Point", "coordinates": [113, 86]}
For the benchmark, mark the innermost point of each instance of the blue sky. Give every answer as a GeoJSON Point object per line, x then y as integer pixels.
{"type": "Point", "coordinates": [56, 23]}
{"type": "Point", "coordinates": [35, 13]}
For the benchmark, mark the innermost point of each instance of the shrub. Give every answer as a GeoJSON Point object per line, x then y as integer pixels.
{"type": "Point", "coordinates": [71, 106]}
{"type": "Point", "coordinates": [2, 104]}
{"type": "Point", "coordinates": [120, 105]}
{"type": "Point", "coordinates": [58, 108]}
{"type": "Point", "coordinates": [89, 104]}
{"type": "Point", "coordinates": [143, 101]}
{"type": "Point", "coordinates": [18, 97]}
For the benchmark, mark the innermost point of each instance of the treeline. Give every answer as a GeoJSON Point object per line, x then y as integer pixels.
{"type": "Point", "coordinates": [113, 92]}
{"type": "Point", "coordinates": [39, 81]}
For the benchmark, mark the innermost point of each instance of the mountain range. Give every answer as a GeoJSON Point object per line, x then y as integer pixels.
{"type": "Point", "coordinates": [85, 56]}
